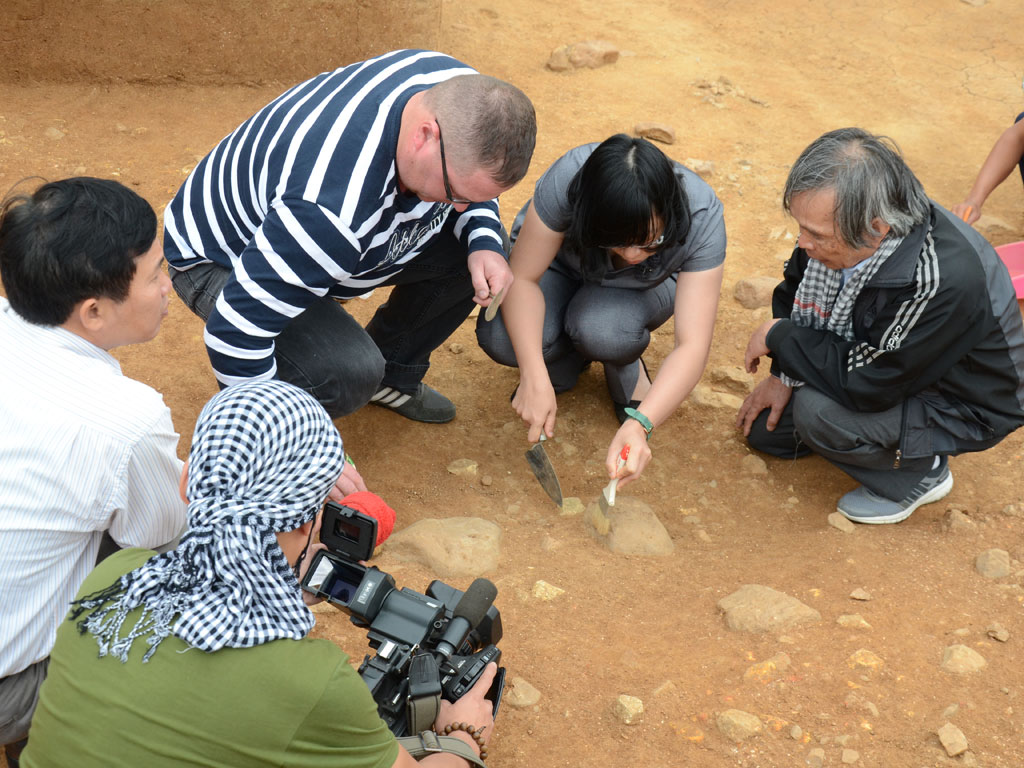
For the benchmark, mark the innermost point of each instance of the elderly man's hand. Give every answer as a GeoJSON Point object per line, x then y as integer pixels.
{"type": "Point", "coordinates": [770, 393]}
{"type": "Point", "coordinates": [758, 345]}
{"type": "Point", "coordinates": [490, 274]}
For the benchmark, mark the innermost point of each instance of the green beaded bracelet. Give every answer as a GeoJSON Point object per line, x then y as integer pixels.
{"type": "Point", "coordinates": [634, 414]}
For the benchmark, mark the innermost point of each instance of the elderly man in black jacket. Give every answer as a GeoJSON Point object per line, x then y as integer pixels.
{"type": "Point", "coordinates": [896, 340]}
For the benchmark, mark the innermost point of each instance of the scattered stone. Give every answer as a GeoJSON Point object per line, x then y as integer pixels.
{"type": "Point", "coordinates": [53, 133]}
{"type": "Point", "coordinates": [753, 465]}
{"type": "Point", "coordinates": [864, 659]}
{"type": "Point", "coordinates": [703, 536]}
{"type": "Point", "coordinates": [455, 348]}
{"type": "Point", "coordinates": [520, 694]}
{"type": "Point", "coordinates": [704, 396]}
{"type": "Point", "coordinates": [590, 53]}
{"type": "Point", "coordinates": [737, 725]}
{"type": "Point", "coordinates": [796, 733]}
{"type": "Point", "coordinates": [656, 132]}
{"type": "Point", "coordinates": [629, 528]}
{"type": "Point", "coordinates": [1014, 510]}
{"type": "Point", "coordinates": [852, 621]}
{"type": "Point", "coordinates": [544, 591]}
{"type": "Point", "coordinates": [755, 292]}
{"type": "Point", "coordinates": [860, 594]}
{"type": "Point", "coordinates": [998, 632]}
{"type": "Point", "coordinates": [768, 670]}
{"type": "Point", "coordinates": [956, 520]}
{"type": "Point", "coordinates": [702, 168]}
{"type": "Point", "coordinates": [871, 708]}
{"type": "Point", "coordinates": [850, 756]}
{"type": "Point", "coordinates": [991, 223]}
{"type": "Point", "coordinates": [450, 548]}
{"type": "Point", "coordinates": [816, 757]}
{"type": "Point", "coordinates": [993, 563]}
{"type": "Point", "coordinates": [549, 543]}
{"type": "Point", "coordinates": [486, 481]}
{"type": "Point", "coordinates": [962, 632]}
{"type": "Point", "coordinates": [572, 506]}
{"type": "Point", "coordinates": [756, 608]}
{"type": "Point", "coordinates": [732, 379]}
{"type": "Point", "coordinates": [629, 709]}
{"type": "Point", "coordinates": [962, 660]}
{"type": "Point", "coordinates": [836, 520]}
{"type": "Point", "coordinates": [463, 468]}
{"type": "Point", "coordinates": [666, 687]}
{"type": "Point", "coordinates": [975, 3]}
{"type": "Point", "coordinates": [951, 711]}
{"type": "Point", "coordinates": [953, 740]}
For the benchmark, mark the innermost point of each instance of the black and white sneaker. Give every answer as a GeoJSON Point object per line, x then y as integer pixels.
{"type": "Point", "coordinates": [863, 506]}
{"type": "Point", "coordinates": [426, 404]}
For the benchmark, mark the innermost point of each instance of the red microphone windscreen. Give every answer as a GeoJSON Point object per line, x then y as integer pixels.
{"type": "Point", "coordinates": [374, 506]}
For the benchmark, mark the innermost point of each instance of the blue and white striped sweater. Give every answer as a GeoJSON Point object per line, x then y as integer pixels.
{"type": "Point", "coordinates": [302, 200]}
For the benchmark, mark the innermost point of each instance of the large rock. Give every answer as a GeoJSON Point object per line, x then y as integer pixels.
{"type": "Point", "coordinates": [629, 528]}
{"type": "Point", "coordinates": [993, 563]}
{"type": "Point", "coordinates": [451, 548]}
{"type": "Point", "coordinates": [756, 608]}
{"type": "Point", "coordinates": [590, 53]}
{"type": "Point", "coordinates": [737, 725]}
{"type": "Point", "coordinates": [754, 292]}
{"type": "Point", "coordinates": [962, 660]}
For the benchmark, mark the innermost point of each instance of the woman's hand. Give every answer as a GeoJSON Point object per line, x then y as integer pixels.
{"type": "Point", "coordinates": [631, 433]}
{"type": "Point", "coordinates": [535, 403]}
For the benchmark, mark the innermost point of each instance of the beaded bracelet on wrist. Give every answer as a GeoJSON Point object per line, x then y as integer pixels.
{"type": "Point", "coordinates": [473, 731]}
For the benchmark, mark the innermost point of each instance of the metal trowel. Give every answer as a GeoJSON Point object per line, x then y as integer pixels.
{"type": "Point", "coordinates": [542, 468]}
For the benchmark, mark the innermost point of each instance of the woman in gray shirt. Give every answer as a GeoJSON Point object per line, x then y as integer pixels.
{"type": "Point", "coordinates": [616, 239]}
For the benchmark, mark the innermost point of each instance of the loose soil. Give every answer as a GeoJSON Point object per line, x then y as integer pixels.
{"type": "Point", "coordinates": [140, 92]}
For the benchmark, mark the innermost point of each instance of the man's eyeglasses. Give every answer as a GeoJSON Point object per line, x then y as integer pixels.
{"type": "Point", "coordinates": [444, 173]}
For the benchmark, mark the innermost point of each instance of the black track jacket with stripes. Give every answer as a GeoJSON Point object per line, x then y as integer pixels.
{"type": "Point", "coordinates": [937, 328]}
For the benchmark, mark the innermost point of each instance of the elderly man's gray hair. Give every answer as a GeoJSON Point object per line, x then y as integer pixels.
{"type": "Point", "coordinates": [870, 180]}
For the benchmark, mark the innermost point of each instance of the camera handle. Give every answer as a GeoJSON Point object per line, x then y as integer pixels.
{"type": "Point", "coordinates": [424, 692]}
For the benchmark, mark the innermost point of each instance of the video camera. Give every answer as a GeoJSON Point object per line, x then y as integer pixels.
{"type": "Point", "coordinates": [427, 646]}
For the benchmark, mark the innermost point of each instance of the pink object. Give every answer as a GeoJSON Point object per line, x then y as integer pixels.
{"type": "Point", "coordinates": [1012, 255]}
{"type": "Point", "coordinates": [373, 505]}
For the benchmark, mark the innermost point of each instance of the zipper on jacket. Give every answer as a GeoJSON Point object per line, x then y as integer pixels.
{"type": "Point", "coordinates": [899, 457]}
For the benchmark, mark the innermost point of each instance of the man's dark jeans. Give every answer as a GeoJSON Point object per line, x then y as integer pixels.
{"type": "Point", "coordinates": [327, 353]}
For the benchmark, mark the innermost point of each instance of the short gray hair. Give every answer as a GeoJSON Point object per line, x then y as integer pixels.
{"type": "Point", "coordinates": [488, 124]}
{"type": "Point", "coordinates": [869, 178]}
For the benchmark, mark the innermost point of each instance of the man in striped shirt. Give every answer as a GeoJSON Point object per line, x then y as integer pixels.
{"type": "Point", "coordinates": [897, 341]}
{"type": "Point", "coordinates": [343, 183]}
{"type": "Point", "coordinates": [83, 449]}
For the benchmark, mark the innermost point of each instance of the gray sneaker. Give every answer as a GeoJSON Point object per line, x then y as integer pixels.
{"type": "Point", "coordinates": [425, 404]}
{"type": "Point", "coordinates": [864, 506]}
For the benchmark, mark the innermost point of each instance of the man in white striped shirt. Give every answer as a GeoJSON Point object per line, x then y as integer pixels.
{"type": "Point", "coordinates": [343, 183]}
{"type": "Point", "coordinates": [83, 449]}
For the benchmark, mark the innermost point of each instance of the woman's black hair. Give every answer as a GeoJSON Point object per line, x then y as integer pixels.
{"type": "Point", "coordinates": [625, 185]}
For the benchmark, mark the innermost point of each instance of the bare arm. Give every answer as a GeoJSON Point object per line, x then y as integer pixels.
{"type": "Point", "coordinates": [523, 313]}
{"type": "Point", "coordinates": [696, 306]}
{"type": "Point", "coordinates": [1004, 157]}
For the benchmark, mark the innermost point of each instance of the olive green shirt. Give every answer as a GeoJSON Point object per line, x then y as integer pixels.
{"type": "Point", "coordinates": [285, 703]}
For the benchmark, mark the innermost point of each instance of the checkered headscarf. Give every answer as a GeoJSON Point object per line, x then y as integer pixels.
{"type": "Point", "coordinates": [824, 302]}
{"type": "Point", "coordinates": [264, 455]}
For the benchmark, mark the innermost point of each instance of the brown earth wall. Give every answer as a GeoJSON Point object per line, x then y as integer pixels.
{"type": "Point", "coordinates": [204, 43]}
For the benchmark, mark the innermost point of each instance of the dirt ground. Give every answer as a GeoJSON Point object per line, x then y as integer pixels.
{"type": "Point", "coordinates": [141, 91]}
